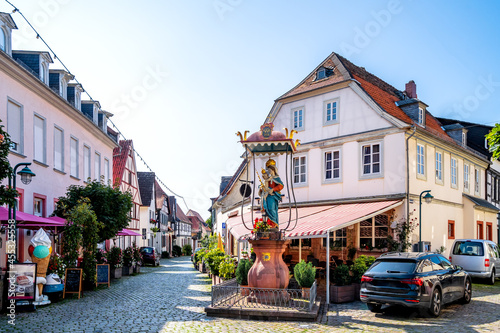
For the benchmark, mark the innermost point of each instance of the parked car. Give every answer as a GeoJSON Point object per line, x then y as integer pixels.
{"type": "Point", "coordinates": [150, 255]}
{"type": "Point", "coordinates": [479, 257]}
{"type": "Point", "coordinates": [418, 280]}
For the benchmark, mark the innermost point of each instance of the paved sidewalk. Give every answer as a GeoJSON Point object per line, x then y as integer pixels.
{"type": "Point", "coordinates": [172, 297]}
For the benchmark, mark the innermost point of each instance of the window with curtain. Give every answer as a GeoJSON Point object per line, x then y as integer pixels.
{"type": "Point", "coordinates": [86, 163]}
{"type": "Point", "coordinates": [15, 126]}
{"type": "Point", "coordinates": [74, 157]}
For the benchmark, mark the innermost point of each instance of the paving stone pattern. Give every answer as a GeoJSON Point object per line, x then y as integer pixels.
{"type": "Point", "coordinates": [172, 297]}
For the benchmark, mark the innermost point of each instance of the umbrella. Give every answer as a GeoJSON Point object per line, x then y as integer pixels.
{"type": "Point", "coordinates": [127, 232]}
{"type": "Point", "coordinates": [220, 246]}
{"type": "Point", "coordinates": [28, 220]}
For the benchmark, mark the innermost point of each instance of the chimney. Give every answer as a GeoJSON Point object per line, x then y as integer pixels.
{"type": "Point", "coordinates": [411, 89]}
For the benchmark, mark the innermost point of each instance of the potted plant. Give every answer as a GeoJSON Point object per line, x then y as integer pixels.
{"type": "Point", "coordinates": [242, 275]}
{"type": "Point", "coordinates": [128, 257]}
{"type": "Point", "coordinates": [226, 268]}
{"type": "Point", "coordinates": [213, 259]}
{"type": "Point", "coordinates": [137, 256]}
{"type": "Point", "coordinates": [342, 291]}
{"type": "Point", "coordinates": [305, 274]}
{"type": "Point", "coordinates": [359, 268]}
{"type": "Point", "coordinates": [115, 262]}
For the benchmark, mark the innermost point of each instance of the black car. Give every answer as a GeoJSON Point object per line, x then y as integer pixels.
{"type": "Point", "coordinates": [419, 280]}
{"type": "Point", "coordinates": [150, 256]}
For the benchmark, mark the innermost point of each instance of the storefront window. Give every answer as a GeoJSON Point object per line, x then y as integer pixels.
{"type": "Point", "coordinates": [373, 232]}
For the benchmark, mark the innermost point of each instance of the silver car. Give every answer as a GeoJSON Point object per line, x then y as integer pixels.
{"type": "Point", "coordinates": [479, 257]}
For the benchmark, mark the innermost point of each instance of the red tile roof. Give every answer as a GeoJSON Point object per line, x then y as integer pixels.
{"type": "Point", "coordinates": [120, 155]}
{"type": "Point", "coordinates": [195, 223]}
{"type": "Point", "coordinates": [380, 91]}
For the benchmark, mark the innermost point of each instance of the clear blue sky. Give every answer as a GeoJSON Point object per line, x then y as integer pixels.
{"type": "Point", "coordinates": [219, 65]}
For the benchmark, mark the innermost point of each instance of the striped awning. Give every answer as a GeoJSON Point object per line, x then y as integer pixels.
{"type": "Point", "coordinates": [316, 221]}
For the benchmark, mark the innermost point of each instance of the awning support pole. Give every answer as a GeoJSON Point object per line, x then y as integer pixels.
{"type": "Point", "coordinates": [327, 268]}
{"type": "Point", "coordinates": [300, 249]}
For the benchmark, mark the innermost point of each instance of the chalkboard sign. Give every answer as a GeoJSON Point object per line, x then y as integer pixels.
{"type": "Point", "coordinates": [73, 281]}
{"type": "Point", "coordinates": [102, 272]}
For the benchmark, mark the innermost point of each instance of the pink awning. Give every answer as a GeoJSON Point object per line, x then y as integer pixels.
{"type": "Point", "coordinates": [29, 220]}
{"type": "Point", "coordinates": [316, 221]}
{"type": "Point", "coordinates": [127, 232]}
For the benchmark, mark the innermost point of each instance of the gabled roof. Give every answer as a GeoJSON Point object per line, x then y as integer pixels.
{"type": "Point", "coordinates": [146, 182]}
{"type": "Point", "coordinates": [195, 223]}
{"type": "Point", "coordinates": [120, 156]}
{"type": "Point", "coordinates": [382, 93]}
{"type": "Point", "coordinates": [195, 213]}
{"type": "Point", "coordinates": [160, 197]}
{"type": "Point", "coordinates": [232, 181]}
{"type": "Point", "coordinates": [180, 214]}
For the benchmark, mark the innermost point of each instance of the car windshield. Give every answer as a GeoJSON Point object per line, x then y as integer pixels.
{"type": "Point", "coordinates": [147, 250]}
{"type": "Point", "coordinates": [468, 248]}
{"type": "Point", "coordinates": [392, 266]}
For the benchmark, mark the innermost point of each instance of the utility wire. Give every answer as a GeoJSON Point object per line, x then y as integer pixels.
{"type": "Point", "coordinates": [38, 36]}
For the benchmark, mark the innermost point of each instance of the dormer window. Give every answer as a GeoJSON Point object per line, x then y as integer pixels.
{"type": "Point", "coordinates": [421, 116]}
{"type": "Point", "coordinates": [42, 73]}
{"type": "Point", "coordinates": [464, 138]}
{"type": "Point", "coordinates": [6, 26]}
{"type": "Point", "coordinates": [321, 74]}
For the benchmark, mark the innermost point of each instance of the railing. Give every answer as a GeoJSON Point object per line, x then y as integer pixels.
{"type": "Point", "coordinates": [231, 295]}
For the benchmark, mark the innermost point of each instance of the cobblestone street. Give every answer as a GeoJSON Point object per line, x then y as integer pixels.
{"type": "Point", "coordinates": [172, 297]}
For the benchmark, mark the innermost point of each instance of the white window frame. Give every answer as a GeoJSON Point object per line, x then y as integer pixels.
{"type": "Point", "coordinates": [40, 143]}
{"type": "Point", "coordinates": [421, 116]}
{"type": "Point", "coordinates": [97, 166]}
{"type": "Point", "coordinates": [454, 172]}
{"type": "Point", "coordinates": [87, 171]}
{"type": "Point", "coordinates": [332, 102]}
{"type": "Point", "coordinates": [301, 175]}
{"type": "Point", "coordinates": [3, 38]}
{"type": "Point", "coordinates": [296, 118]}
{"type": "Point", "coordinates": [74, 158]}
{"type": "Point", "coordinates": [466, 177]}
{"type": "Point", "coordinates": [19, 146]}
{"type": "Point", "coordinates": [438, 166]}
{"type": "Point", "coordinates": [106, 171]}
{"type": "Point", "coordinates": [38, 207]}
{"type": "Point", "coordinates": [421, 161]}
{"type": "Point", "coordinates": [477, 181]}
{"type": "Point", "coordinates": [332, 178]}
{"type": "Point", "coordinates": [61, 141]}
{"type": "Point", "coordinates": [321, 70]}
{"type": "Point", "coordinates": [371, 174]}
{"type": "Point", "coordinates": [464, 138]}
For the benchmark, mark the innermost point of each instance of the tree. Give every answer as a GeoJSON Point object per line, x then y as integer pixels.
{"type": "Point", "coordinates": [7, 195]}
{"type": "Point", "coordinates": [494, 141]}
{"type": "Point", "coordinates": [209, 222]}
{"type": "Point", "coordinates": [110, 205]}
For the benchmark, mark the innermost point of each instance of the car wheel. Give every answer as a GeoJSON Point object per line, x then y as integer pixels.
{"type": "Point", "coordinates": [491, 280]}
{"type": "Point", "coordinates": [374, 307]}
{"type": "Point", "coordinates": [436, 300]}
{"type": "Point", "coordinates": [467, 292]}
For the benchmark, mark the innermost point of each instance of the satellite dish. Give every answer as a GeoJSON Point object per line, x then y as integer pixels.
{"type": "Point", "coordinates": [245, 190]}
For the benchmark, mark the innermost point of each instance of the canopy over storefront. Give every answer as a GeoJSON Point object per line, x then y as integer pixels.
{"type": "Point", "coordinates": [316, 221]}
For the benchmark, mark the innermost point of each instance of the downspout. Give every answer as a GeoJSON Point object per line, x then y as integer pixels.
{"type": "Point", "coordinates": [408, 174]}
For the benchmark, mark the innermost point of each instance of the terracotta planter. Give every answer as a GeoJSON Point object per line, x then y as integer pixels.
{"type": "Point", "coordinates": [116, 273]}
{"type": "Point", "coordinates": [245, 291]}
{"type": "Point", "coordinates": [342, 294]}
{"type": "Point", "coordinates": [306, 293]}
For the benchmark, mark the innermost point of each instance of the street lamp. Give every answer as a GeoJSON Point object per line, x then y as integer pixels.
{"type": "Point", "coordinates": [428, 199]}
{"type": "Point", "coordinates": [26, 176]}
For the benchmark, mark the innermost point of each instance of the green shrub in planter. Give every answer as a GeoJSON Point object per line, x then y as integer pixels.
{"type": "Point", "coordinates": [305, 274]}
{"type": "Point", "coordinates": [187, 250]}
{"type": "Point", "coordinates": [165, 255]}
{"type": "Point", "coordinates": [361, 264]}
{"type": "Point", "coordinates": [226, 268]}
{"type": "Point", "coordinates": [176, 251]}
{"type": "Point", "coordinates": [242, 271]}
{"type": "Point", "coordinates": [341, 276]}
{"type": "Point", "coordinates": [213, 259]}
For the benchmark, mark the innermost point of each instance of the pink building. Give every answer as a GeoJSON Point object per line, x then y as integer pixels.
{"type": "Point", "coordinates": [66, 140]}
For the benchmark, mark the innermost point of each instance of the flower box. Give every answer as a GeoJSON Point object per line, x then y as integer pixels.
{"type": "Point", "coordinates": [342, 294]}
{"type": "Point", "coordinates": [126, 270]}
{"type": "Point", "coordinates": [116, 273]}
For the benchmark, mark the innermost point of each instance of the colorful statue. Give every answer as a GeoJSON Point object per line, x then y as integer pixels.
{"type": "Point", "coordinates": [270, 191]}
